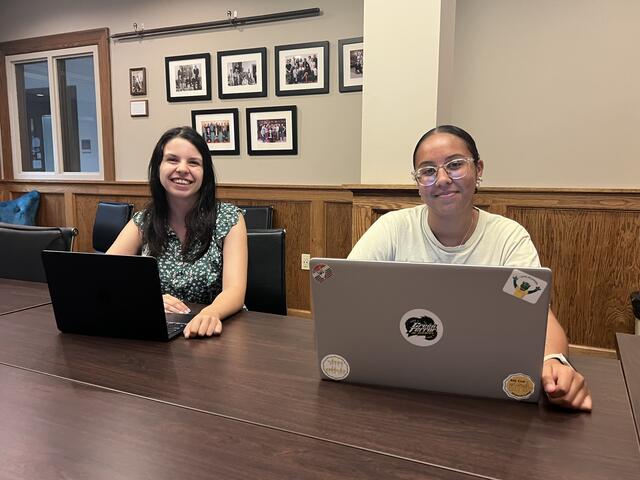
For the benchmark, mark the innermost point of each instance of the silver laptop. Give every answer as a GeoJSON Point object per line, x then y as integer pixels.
{"type": "Point", "coordinates": [470, 330]}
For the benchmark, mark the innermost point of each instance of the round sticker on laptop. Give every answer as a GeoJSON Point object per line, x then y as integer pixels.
{"type": "Point", "coordinates": [518, 386]}
{"type": "Point", "coordinates": [421, 327]}
{"type": "Point", "coordinates": [335, 367]}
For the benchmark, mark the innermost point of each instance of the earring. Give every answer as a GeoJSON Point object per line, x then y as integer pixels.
{"type": "Point", "coordinates": [478, 182]}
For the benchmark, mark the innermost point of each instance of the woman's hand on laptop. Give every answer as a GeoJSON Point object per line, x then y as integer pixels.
{"type": "Point", "coordinates": [174, 305]}
{"type": "Point", "coordinates": [565, 387]}
{"type": "Point", "coordinates": [204, 324]}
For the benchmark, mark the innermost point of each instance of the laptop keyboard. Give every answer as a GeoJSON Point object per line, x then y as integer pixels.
{"type": "Point", "coordinates": [173, 327]}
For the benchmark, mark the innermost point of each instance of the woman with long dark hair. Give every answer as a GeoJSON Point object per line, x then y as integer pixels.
{"type": "Point", "coordinates": [448, 228]}
{"type": "Point", "coordinates": [189, 232]}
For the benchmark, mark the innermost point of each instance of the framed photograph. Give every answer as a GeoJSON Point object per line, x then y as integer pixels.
{"type": "Point", "coordinates": [188, 77]}
{"type": "Point", "coordinates": [351, 64]}
{"type": "Point", "coordinates": [302, 69]}
{"type": "Point", "coordinates": [272, 130]}
{"type": "Point", "coordinates": [139, 108]}
{"type": "Point", "coordinates": [138, 81]}
{"type": "Point", "coordinates": [242, 73]}
{"type": "Point", "coordinates": [219, 128]}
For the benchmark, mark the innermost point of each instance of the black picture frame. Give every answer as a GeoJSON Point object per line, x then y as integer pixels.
{"type": "Point", "coordinates": [182, 71]}
{"type": "Point", "coordinates": [290, 82]}
{"type": "Point", "coordinates": [139, 108]}
{"type": "Point", "coordinates": [350, 64]}
{"type": "Point", "coordinates": [236, 87]}
{"type": "Point", "coordinates": [218, 142]}
{"type": "Point", "coordinates": [138, 81]}
{"type": "Point", "coordinates": [264, 130]}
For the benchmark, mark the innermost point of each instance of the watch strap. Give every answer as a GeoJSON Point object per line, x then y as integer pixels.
{"type": "Point", "coordinates": [560, 357]}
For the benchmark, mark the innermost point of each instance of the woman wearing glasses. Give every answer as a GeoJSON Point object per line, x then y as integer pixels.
{"type": "Point", "coordinates": [447, 228]}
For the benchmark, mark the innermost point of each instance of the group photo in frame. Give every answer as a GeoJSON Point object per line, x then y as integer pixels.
{"type": "Point", "coordinates": [138, 81]}
{"type": "Point", "coordinates": [302, 68]}
{"type": "Point", "coordinates": [188, 77]}
{"type": "Point", "coordinates": [351, 64]}
{"type": "Point", "coordinates": [272, 130]}
{"type": "Point", "coordinates": [242, 73]}
{"type": "Point", "coordinates": [219, 128]}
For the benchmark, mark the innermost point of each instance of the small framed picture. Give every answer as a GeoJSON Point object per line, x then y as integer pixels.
{"type": "Point", "coordinates": [219, 128]}
{"type": "Point", "coordinates": [138, 81]}
{"type": "Point", "coordinates": [351, 64]}
{"type": "Point", "coordinates": [242, 73]}
{"type": "Point", "coordinates": [188, 77]}
{"type": "Point", "coordinates": [272, 130]}
{"type": "Point", "coordinates": [139, 108]}
{"type": "Point", "coordinates": [302, 69]}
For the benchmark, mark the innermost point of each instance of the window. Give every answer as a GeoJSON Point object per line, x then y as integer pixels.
{"type": "Point", "coordinates": [59, 109]}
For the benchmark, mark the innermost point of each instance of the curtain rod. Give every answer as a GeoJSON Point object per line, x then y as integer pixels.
{"type": "Point", "coordinates": [232, 21]}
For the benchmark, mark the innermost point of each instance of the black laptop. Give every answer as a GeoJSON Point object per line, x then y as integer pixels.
{"type": "Point", "coordinates": [109, 296]}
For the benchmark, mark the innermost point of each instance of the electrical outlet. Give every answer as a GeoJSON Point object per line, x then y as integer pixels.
{"type": "Point", "coordinates": [305, 261]}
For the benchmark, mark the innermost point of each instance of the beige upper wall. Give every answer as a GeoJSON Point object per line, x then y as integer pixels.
{"type": "Point", "coordinates": [329, 125]}
{"type": "Point", "coordinates": [549, 90]}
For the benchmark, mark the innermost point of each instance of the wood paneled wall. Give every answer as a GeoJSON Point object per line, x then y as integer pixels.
{"type": "Point", "coordinates": [317, 220]}
{"type": "Point", "coordinates": [590, 239]}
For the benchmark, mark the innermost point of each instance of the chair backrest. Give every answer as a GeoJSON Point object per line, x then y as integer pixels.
{"type": "Point", "coordinates": [111, 217]}
{"type": "Point", "coordinates": [257, 217]}
{"type": "Point", "coordinates": [266, 289]}
{"type": "Point", "coordinates": [21, 249]}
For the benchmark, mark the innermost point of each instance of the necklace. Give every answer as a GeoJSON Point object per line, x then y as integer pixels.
{"type": "Point", "coordinates": [464, 239]}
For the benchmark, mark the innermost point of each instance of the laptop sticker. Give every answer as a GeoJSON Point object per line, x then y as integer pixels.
{"type": "Point", "coordinates": [421, 327]}
{"type": "Point", "coordinates": [335, 367]}
{"type": "Point", "coordinates": [321, 272]}
{"type": "Point", "coordinates": [524, 286]}
{"type": "Point", "coordinates": [518, 386]}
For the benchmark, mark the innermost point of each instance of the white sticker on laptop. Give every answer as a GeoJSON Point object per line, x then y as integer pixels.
{"type": "Point", "coordinates": [335, 367]}
{"type": "Point", "coordinates": [321, 272]}
{"type": "Point", "coordinates": [421, 327]}
{"type": "Point", "coordinates": [518, 386]}
{"type": "Point", "coordinates": [524, 286]}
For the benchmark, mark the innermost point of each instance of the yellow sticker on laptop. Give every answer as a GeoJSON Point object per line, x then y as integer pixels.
{"type": "Point", "coordinates": [524, 286]}
{"type": "Point", "coordinates": [518, 386]}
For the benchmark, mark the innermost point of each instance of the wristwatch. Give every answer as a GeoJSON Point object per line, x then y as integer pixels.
{"type": "Point", "coordinates": [560, 357]}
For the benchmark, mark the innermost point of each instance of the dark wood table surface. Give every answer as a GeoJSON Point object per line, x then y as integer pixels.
{"type": "Point", "coordinates": [262, 371]}
{"type": "Point", "coordinates": [58, 428]}
{"type": "Point", "coordinates": [629, 354]}
{"type": "Point", "coordinates": [18, 295]}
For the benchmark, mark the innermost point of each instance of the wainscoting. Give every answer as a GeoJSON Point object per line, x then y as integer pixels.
{"type": "Point", "coordinates": [590, 239]}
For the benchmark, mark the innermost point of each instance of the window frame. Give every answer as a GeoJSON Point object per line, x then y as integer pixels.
{"type": "Point", "coordinates": [98, 38]}
{"type": "Point", "coordinates": [51, 56]}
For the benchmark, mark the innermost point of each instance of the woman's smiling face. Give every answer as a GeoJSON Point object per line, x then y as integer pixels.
{"type": "Point", "coordinates": [446, 196]}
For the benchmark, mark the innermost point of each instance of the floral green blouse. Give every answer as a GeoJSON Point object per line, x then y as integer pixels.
{"type": "Point", "coordinates": [201, 281]}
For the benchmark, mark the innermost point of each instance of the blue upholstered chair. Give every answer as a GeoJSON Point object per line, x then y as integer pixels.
{"type": "Point", "coordinates": [21, 211]}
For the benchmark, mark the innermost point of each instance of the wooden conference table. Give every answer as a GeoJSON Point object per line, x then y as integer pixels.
{"type": "Point", "coordinates": [629, 354]}
{"type": "Point", "coordinates": [249, 404]}
{"type": "Point", "coordinates": [18, 295]}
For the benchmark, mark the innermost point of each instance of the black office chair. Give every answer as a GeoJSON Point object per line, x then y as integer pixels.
{"type": "Point", "coordinates": [21, 248]}
{"type": "Point", "coordinates": [266, 289]}
{"type": "Point", "coordinates": [257, 217]}
{"type": "Point", "coordinates": [111, 217]}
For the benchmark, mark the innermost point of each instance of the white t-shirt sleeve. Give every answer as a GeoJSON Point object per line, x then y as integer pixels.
{"type": "Point", "coordinates": [520, 251]}
{"type": "Point", "coordinates": [377, 243]}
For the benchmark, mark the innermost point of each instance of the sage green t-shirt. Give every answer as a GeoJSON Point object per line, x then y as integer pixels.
{"type": "Point", "coordinates": [404, 236]}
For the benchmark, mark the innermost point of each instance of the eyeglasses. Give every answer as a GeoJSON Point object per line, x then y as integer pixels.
{"type": "Point", "coordinates": [456, 168]}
